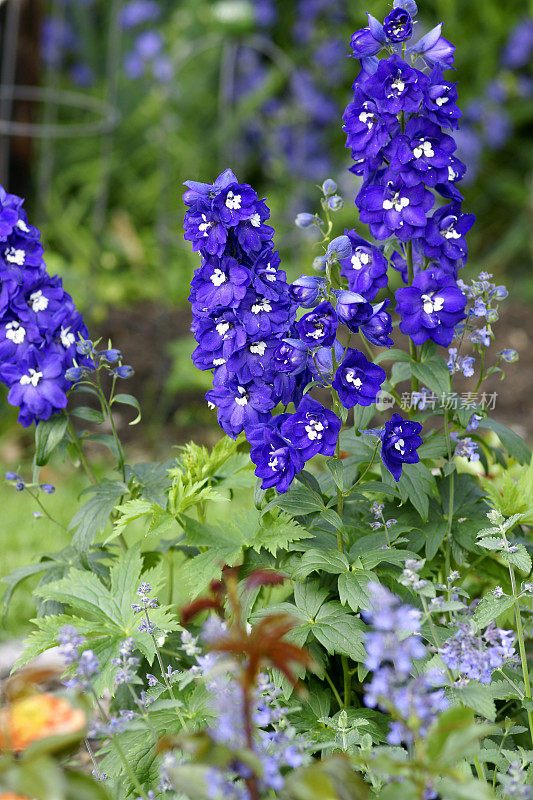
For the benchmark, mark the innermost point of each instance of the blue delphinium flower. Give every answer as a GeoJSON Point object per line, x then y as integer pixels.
{"type": "Point", "coordinates": [431, 307]}
{"type": "Point", "coordinates": [312, 429]}
{"type": "Point", "coordinates": [276, 458]}
{"type": "Point", "coordinates": [398, 25]}
{"type": "Point", "coordinates": [39, 323]}
{"type": "Point", "coordinates": [393, 644]}
{"type": "Point", "coordinates": [399, 443]}
{"type": "Point", "coordinates": [366, 268]}
{"type": "Point", "coordinates": [318, 327]}
{"type": "Point", "coordinates": [357, 381]}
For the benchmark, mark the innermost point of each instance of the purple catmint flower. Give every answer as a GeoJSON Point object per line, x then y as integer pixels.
{"type": "Point", "coordinates": [477, 656]}
{"type": "Point", "coordinates": [465, 448]}
{"type": "Point", "coordinates": [312, 429]}
{"type": "Point", "coordinates": [138, 12]}
{"type": "Point", "coordinates": [390, 657]}
{"type": "Point", "coordinates": [431, 307]}
{"type": "Point", "coordinates": [357, 381]}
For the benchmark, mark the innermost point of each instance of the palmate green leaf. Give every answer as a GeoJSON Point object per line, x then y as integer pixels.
{"type": "Point", "coordinates": [226, 541]}
{"type": "Point", "coordinates": [133, 510]}
{"type": "Point", "coordinates": [106, 613]}
{"type": "Point", "coordinates": [313, 560]}
{"type": "Point", "coordinates": [153, 479]}
{"type": "Point", "coordinates": [298, 501]}
{"type": "Point", "coordinates": [93, 516]}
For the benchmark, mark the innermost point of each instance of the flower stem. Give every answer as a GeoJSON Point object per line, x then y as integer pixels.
{"type": "Point", "coordinates": [413, 352]}
{"type": "Point", "coordinates": [79, 449]}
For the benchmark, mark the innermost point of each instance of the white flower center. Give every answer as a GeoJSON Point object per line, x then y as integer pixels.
{"type": "Point", "coordinates": [360, 259]}
{"type": "Point", "coordinates": [15, 332]}
{"type": "Point", "coordinates": [32, 377]}
{"type": "Point", "coordinates": [450, 233]}
{"type": "Point", "coordinates": [210, 405]}
{"type": "Point", "coordinates": [67, 338]}
{"type": "Point", "coordinates": [367, 118]}
{"type": "Point", "coordinates": [400, 446]}
{"type": "Point", "coordinates": [258, 348]}
{"type": "Point", "coordinates": [204, 226]}
{"type": "Point", "coordinates": [441, 100]}
{"type": "Point", "coordinates": [22, 226]}
{"type": "Point", "coordinates": [432, 303]}
{"type": "Point", "coordinates": [233, 201]}
{"type": "Point", "coordinates": [242, 398]}
{"type": "Point", "coordinates": [255, 220]}
{"type": "Point", "coordinates": [399, 84]}
{"type": "Point", "coordinates": [397, 203]}
{"type": "Point", "coordinates": [318, 331]}
{"type": "Point", "coordinates": [423, 149]}
{"type": "Point", "coordinates": [15, 256]}
{"type": "Point", "coordinates": [273, 463]}
{"type": "Point", "coordinates": [217, 362]}
{"type": "Point", "coordinates": [452, 175]}
{"type": "Point", "coordinates": [351, 378]}
{"type": "Point", "coordinates": [262, 305]}
{"type": "Point", "coordinates": [218, 277]}
{"type": "Point", "coordinates": [222, 328]}
{"type": "Point", "coordinates": [38, 301]}
{"type": "Point", "coordinates": [314, 429]}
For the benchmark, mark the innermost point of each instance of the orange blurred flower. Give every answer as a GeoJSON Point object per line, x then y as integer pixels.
{"type": "Point", "coordinates": [12, 796]}
{"type": "Point", "coordinates": [37, 717]}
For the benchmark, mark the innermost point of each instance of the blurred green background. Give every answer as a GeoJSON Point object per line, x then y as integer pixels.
{"type": "Point", "coordinates": [182, 89]}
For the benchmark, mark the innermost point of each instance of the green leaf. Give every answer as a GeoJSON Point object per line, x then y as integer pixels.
{"type": "Point", "coordinates": [330, 561]}
{"type": "Point", "coordinates": [476, 696]}
{"type": "Point", "coordinates": [336, 468]}
{"type": "Point", "coordinates": [512, 442]}
{"type": "Point", "coordinates": [297, 502]}
{"type": "Point", "coordinates": [490, 608]}
{"type": "Point", "coordinates": [492, 543]}
{"type": "Point", "coordinates": [416, 484]}
{"type": "Point", "coordinates": [104, 614]}
{"type": "Point", "coordinates": [520, 558]}
{"type": "Point", "coordinates": [433, 446]}
{"type": "Point", "coordinates": [353, 588]}
{"type": "Point", "coordinates": [129, 400]}
{"type": "Point", "coordinates": [339, 631]}
{"type": "Point", "coordinates": [435, 532]}
{"type": "Point", "coordinates": [432, 373]}
{"type": "Point", "coordinates": [399, 373]}
{"type": "Point", "coordinates": [394, 354]}
{"type": "Point", "coordinates": [93, 516]}
{"type": "Point", "coordinates": [153, 478]}
{"type": "Point", "coordinates": [48, 434]}
{"type": "Point", "coordinates": [88, 414]}
{"type": "Point", "coordinates": [362, 416]}
{"type": "Point", "coordinates": [309, 596]}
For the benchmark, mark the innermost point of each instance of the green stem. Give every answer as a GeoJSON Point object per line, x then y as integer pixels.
{"type": "Point", "coordinates": [448, 541]}
{"type": "Point", "coordinates": [413, 352]}
{"type": "Point", "coordinates": [334, 690]}
{"type": "Point", "coordinates": [521, 642]}
{"type": "Point", "coordinates": [79, 449]}
{"type": "Point", "coordinates": [347, 682]}
{"type": "Point", "coordinates": [43, 509]}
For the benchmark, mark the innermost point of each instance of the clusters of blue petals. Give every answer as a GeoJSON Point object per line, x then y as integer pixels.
{"type": "Point", "coordinates": [396, 130]}
{"type": "Point", "coordinates": [40, 326]}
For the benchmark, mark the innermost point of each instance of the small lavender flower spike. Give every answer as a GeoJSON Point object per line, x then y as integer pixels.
{"type": "Point", "coordinates": [390, 656]}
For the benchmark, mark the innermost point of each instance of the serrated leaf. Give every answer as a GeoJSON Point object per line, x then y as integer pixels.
{"type": "Point", "coordinates": [336, 468]}
{"type": "Point", "coordinates": [492, 543]}
{"type": "Point", "coordinates": [93, 516]}
{"type": "Point", "coordinates": [416, 484]}
{"type": "Point", "coordinates": [353, 588]}
{"type": "Point", "coordinates": [298, 501]}
{"type": "Point", "coordinates": [520, 558]}
{"type": "Point", "coordinates": [339, 632]}
{"type": "Point", "coordinates": [433, 447]}
{"type": "Point", "coordinates": [330, 561]}
{"type": "Point", "coordinates": [476, 696]}
{"type": "Point", "coordinates": [490, 608]}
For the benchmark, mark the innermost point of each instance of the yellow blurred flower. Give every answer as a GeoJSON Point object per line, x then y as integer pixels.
{"type": "Point", "coordinates": [37, 717]}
